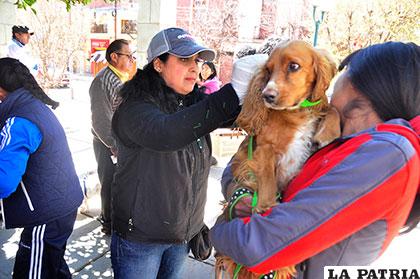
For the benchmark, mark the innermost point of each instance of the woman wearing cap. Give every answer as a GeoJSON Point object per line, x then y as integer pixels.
{"type": "Point", "coordinates": [162, 131]}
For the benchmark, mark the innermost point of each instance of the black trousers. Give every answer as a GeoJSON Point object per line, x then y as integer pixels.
{"type": "Point", "coordinates": [41, 250]}
{"type": "Point", "coordinates": [106, 171]}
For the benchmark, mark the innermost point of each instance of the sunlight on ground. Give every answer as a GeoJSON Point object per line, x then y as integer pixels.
{"type": "Point", "coordinates": [11, 246]}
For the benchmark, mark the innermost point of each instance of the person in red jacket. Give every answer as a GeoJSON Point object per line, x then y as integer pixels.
{"type": "Point", "coordinates": [353, 196]}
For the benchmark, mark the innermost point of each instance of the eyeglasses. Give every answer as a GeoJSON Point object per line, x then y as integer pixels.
{"type": "Point", "coordinates": [130, 56]}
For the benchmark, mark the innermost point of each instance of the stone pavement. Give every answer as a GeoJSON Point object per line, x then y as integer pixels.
{"type": "Point", "coordinates": [88, 249]}
{"type": "Point", "coordinates": [87, 252]}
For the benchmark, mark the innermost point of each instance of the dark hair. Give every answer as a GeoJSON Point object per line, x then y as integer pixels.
{"type": "Point", "coordinates": [114, 47]}
{"type": "Point", "coordinates": [15, 75]}
{"type": "Point", "coordinates": [212, 68]}
{"type": "Point", "coordinates": [147, 85]}
{"type": "Point", "coordinates": [245, 51]}
{"type": "Point", "coordinates": [387, 75]}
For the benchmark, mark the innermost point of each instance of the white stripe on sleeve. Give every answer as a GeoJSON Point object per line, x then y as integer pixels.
{"type": "Point", "coordinates": [5, 133]}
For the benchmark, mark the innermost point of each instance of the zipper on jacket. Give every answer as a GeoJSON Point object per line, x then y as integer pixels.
{"type": "Point", "coordinates": [200, 144]}
{"type": "Point", "coordinates": [31, 207]}
{"type": "Point", "coordinates": [193, 177]}
{"type": "Point", "coordinates": [303, 268]}
{"type": "Point", "coordinates": [130, 225]}
{"type": "Point", "coordinates": [200, 163]}
{"type": "Point", "coordinates": [3, 224]}
{"type": "Point", "coordinates": [180, 103]}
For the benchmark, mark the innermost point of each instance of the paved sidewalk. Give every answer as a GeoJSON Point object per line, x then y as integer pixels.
{"type": "Point", "coordinates": [88, 253]}
{"type": "Point", "coordinates": [88, 249]}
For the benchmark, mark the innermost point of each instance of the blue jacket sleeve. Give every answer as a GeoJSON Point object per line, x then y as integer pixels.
{"type": "Point", "coordinates": [301, 222]}
{"type": "Point", "coordinates": [19, 138]}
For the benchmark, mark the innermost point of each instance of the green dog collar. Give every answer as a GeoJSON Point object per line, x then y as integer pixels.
{"type": "Point", "coordinates": [307, 103]}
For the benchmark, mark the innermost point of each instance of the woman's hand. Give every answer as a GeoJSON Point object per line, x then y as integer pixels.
{"type": "Point", "coordinates": [243, 71]}
{"type": "Point", "coordinates": [243, 208]}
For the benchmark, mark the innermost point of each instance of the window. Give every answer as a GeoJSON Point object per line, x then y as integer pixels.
{"type": "Point", "coordinates": [128, 26]}
{"type": "Point", "coordinates": [98, 28]}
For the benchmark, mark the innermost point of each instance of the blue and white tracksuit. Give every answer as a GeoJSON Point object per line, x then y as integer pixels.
{"type": "Point", "coordinates": [39, 187]}
{"type": "Point", "coordinates": [18, 51]}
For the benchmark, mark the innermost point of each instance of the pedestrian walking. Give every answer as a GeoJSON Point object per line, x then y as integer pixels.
{"type": "Point", "coordinates": [17, 49]}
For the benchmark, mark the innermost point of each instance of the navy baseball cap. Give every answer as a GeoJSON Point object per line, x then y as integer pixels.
{"type": "Point", "coordinates": [178, 42]}
{"type": "Point", "coordinates": [21, 29]}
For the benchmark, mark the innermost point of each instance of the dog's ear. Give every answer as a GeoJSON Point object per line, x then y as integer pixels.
{"type": "Point", "coordinates": [325, 70]}
{"type": "Point", "coordinates": [254, 112]}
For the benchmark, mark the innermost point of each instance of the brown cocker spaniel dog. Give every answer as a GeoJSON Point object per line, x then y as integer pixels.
{"type": "Point", "coordinates": [286, 111]}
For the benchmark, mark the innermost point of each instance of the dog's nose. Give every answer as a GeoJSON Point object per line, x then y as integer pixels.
{"type": "Point", "coordinates": [269, 95]}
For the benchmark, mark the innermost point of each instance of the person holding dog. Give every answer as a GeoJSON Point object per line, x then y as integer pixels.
{"type": "Point", "coordinates": [162, 131]}
{"type": "Point", "coordinates": [39, 188]}
{"type": "Point", "coordinates": [356, 194]}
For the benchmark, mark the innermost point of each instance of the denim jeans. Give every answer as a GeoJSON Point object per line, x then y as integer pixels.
{"type": "Point", "coordinates": [132, 260]}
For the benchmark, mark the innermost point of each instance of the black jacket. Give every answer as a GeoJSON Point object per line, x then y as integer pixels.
{"type": "Point", "coordinates": [160, 185]}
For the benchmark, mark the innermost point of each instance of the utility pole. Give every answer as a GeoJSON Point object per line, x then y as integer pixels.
{"type": "Point", "coordinates": [115, 19]}
{"type": "Point", "coordinates": [317, 20]}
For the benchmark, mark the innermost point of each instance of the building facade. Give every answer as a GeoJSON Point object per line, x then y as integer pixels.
{"type": "Point", "coordinates": [8, 8]}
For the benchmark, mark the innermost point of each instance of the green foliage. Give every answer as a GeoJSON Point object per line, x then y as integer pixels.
{"type": "Point", "coordinates": [354, 24]}
{"type": "Point", "coordinates": [25, 4]}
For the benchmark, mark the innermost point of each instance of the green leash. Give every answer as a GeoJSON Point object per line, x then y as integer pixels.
{"type": "Point", "coordinates": [307, 103]}
{"type": "Point", "coordinates": [250, 144]}
{"type": "Point", "coordinates": [236, 272]}
{"type": "Point", "coordinates": [239, 267]}
{"type": "Point", "coordinates": [253, 203]}
{"type": "Point", "coordinates": [254, 196]}
{"type": "Point", "coordinates": [251, 173]}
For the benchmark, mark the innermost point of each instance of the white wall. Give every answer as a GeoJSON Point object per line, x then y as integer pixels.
{"type": "Point", "coordinates": [7, 20]}
{"type": "Point", "coordinates": [154, 15]}
{"type": "Point", "coordinates": [249, 19]}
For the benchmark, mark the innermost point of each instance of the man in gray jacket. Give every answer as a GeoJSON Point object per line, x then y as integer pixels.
{"type": "Point", "coordinates": [104, 100]}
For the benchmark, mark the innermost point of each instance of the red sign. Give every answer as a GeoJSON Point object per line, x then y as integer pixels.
{"type": "Point", "coordinates": [98, 44]}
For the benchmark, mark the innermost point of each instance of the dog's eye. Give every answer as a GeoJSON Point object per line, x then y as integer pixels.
{"type": "Point", "coordinates": [293, 67]}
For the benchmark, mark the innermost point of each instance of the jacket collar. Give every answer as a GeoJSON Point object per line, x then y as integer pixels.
{"type": "Point", "coordinates": [413, 125]}
{"type": "Point", "coordinates": [8, 105]}
{"type": "Point", "coordinates": [18, 42]}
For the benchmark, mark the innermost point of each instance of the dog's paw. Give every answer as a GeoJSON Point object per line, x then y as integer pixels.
{"type": "Point", "coordinates": [328, 129]}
